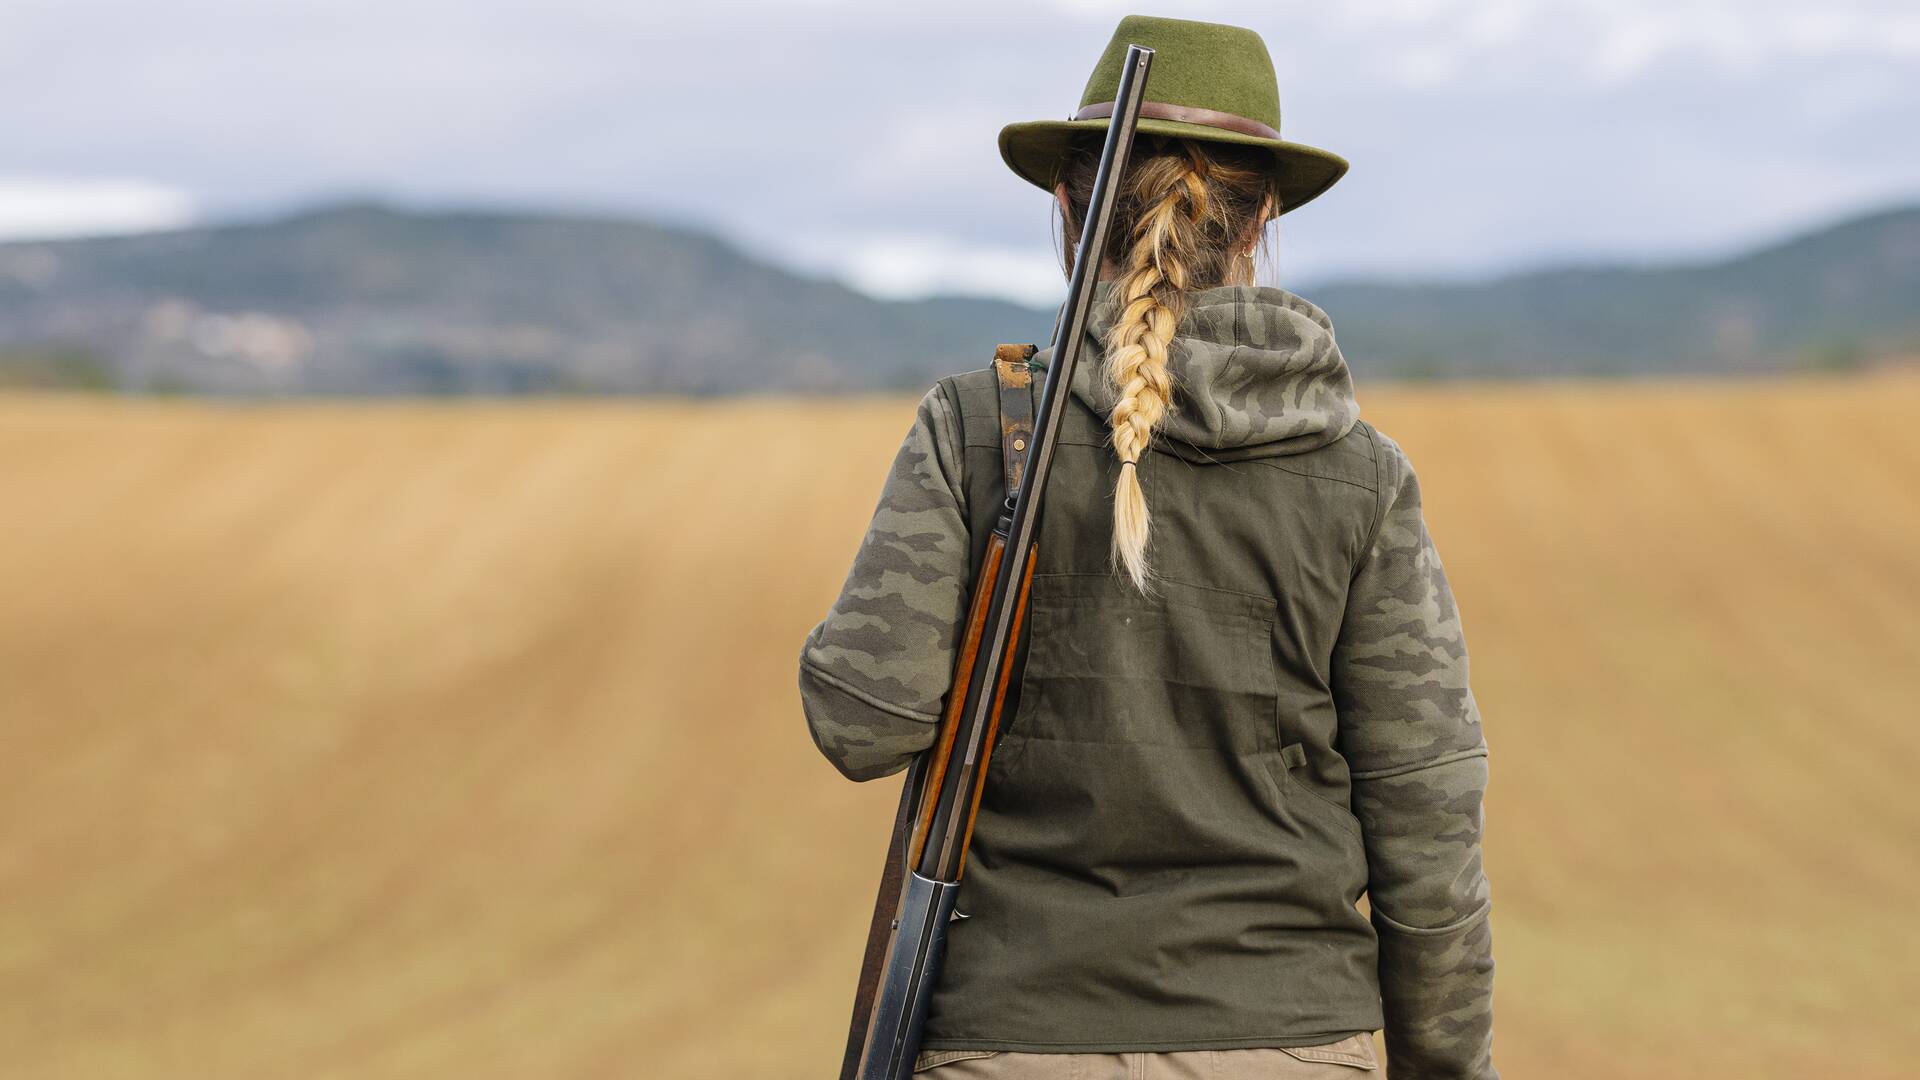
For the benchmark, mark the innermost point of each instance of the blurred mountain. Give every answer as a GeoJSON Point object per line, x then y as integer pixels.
{"type": "Point", "coordinates": [1831, 298]}
{"type": "Point", "coordinates": [369, 299]}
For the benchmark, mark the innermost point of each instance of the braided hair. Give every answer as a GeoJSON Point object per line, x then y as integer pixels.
{"type": "Point", "coordinates": [1181, 223]}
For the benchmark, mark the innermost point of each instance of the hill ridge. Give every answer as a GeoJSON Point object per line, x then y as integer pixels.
{"type": "Point", "coordinates": [369, 296]}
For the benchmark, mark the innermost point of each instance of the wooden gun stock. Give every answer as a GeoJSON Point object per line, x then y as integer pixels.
{"type": "Point", "coordinates": [990, 570]}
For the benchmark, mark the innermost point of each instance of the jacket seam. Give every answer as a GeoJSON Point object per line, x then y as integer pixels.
{"type": "Point", "coordinates": [954, 472]}
{"type": "Point", "coordinates": [1418, 766]}
{"type": "Point", "coordinates": [1374, 488]}
{"type": "Point", "coordinates": [1454, 927]}
{"type": "Point", "coordinates": [1263, 598]}
{"type": "Point", "coordinates": [865, 698]}
{"type": "Point", "coordinates": [1379, 501]}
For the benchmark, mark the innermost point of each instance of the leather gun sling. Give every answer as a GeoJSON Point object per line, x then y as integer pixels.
{"type": "Point", "coordinates": [1010, 363]}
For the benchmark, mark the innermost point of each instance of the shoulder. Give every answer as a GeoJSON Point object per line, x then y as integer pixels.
{"type": "Point", "coordinates": [1373, 457]}
{"type": "Point", "coordinates": [938, 431]}
{"type": "Point", "coordinates": [1394, 475]}
{"type": "Point", "coordinates": [1395, 487]}
{"type": "Point", "coordinates": [973, 396]}
{"type": "Point", "coordinates": [1399, 526]}
{"type": "Point", "coordinates": [978, 380]}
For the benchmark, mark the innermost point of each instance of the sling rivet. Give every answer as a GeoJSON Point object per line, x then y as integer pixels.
{"type": "Point", "coordinates": [1019, 444]}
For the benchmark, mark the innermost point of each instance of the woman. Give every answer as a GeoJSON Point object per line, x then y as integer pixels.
{"type": "Point", "coordinates": [1244, 701]}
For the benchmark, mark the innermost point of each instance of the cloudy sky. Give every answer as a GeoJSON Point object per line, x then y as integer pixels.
{"type": "Point", "coordinates": [857, 138]}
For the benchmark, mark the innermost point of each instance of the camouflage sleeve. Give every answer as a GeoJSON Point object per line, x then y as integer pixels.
{"type": "Point", "coordinates": [873, 673]}
{"type": "Point", "coordinates": [1411, 734]}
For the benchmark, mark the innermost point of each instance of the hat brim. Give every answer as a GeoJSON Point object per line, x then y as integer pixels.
{"type": "Point", "coordinates": [1034, 149]}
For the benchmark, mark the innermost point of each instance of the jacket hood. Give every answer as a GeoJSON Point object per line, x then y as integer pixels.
{"type": "Point", "coordinates": [1255, 370]}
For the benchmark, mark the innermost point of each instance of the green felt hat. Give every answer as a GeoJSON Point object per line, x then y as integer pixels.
{"type": "Point", "coordinates": [1208, 82]}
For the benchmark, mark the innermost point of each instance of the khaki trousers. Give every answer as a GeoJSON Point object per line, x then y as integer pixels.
{"type": "Point", "coordinates": [1349, 1059]}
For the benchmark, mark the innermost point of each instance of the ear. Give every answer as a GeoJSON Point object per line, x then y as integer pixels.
{"type": "Point", "coordinates": [1060, 195]}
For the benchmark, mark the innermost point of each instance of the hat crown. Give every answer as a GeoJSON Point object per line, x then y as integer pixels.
{"type": "Point", "coordinates": [1211, 83]}
{"type": "Point", "coordinates": [1199, 65]}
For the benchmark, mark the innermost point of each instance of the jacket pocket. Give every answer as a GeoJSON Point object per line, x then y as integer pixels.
{"type": "Point", "coordinates": [1190, 666]}
{"type": "Point", "coordinates": [1283, 767]}
{"type": "Point", "coordinates": [1135, 749]}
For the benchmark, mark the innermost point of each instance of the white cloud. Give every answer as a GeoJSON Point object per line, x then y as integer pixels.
{"type": "Point", "coordinates": [41, 207]}
{"type": "Point", "coordinates": [1425, 43]}
{"type": "Point", "coordinates": [926, 141]}
{"type": "Point", "coordinates": [1483, 133]}
{"type": "Point", "coordinates": [902, 265]}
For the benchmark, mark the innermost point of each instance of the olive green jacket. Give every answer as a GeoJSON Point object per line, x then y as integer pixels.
{"type": "Point", "coordinates": [1195, 787]}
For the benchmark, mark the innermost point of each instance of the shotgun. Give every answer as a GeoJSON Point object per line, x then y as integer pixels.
{"type": "Point", "coordinates": [928, 852]}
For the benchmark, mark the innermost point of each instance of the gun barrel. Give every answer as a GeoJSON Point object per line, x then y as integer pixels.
{"type": "Point", "coordinates": [944, 853]}
{"type": "Point", "coordinates": [893, 1008]}
{"type": "Point", "coordinates": [919, 938]}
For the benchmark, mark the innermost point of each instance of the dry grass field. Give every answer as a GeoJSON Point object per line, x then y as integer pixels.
{"type": "Point", "coordinates": [461, 741]}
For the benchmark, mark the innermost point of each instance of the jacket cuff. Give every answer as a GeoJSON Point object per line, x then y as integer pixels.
{"type": "Point", "coordinates": [864, 738]}
{"type": "Point", "coordinates": [1436, 990]}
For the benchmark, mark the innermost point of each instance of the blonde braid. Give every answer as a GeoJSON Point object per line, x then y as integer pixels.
{"type": "Point", "coordinates": [1185, 212]}
{"type": "Point", "coordinates": [1152, 290]}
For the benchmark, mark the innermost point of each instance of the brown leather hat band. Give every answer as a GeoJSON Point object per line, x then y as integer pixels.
{"type": "Point", "coordinates": [1185, 114]}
